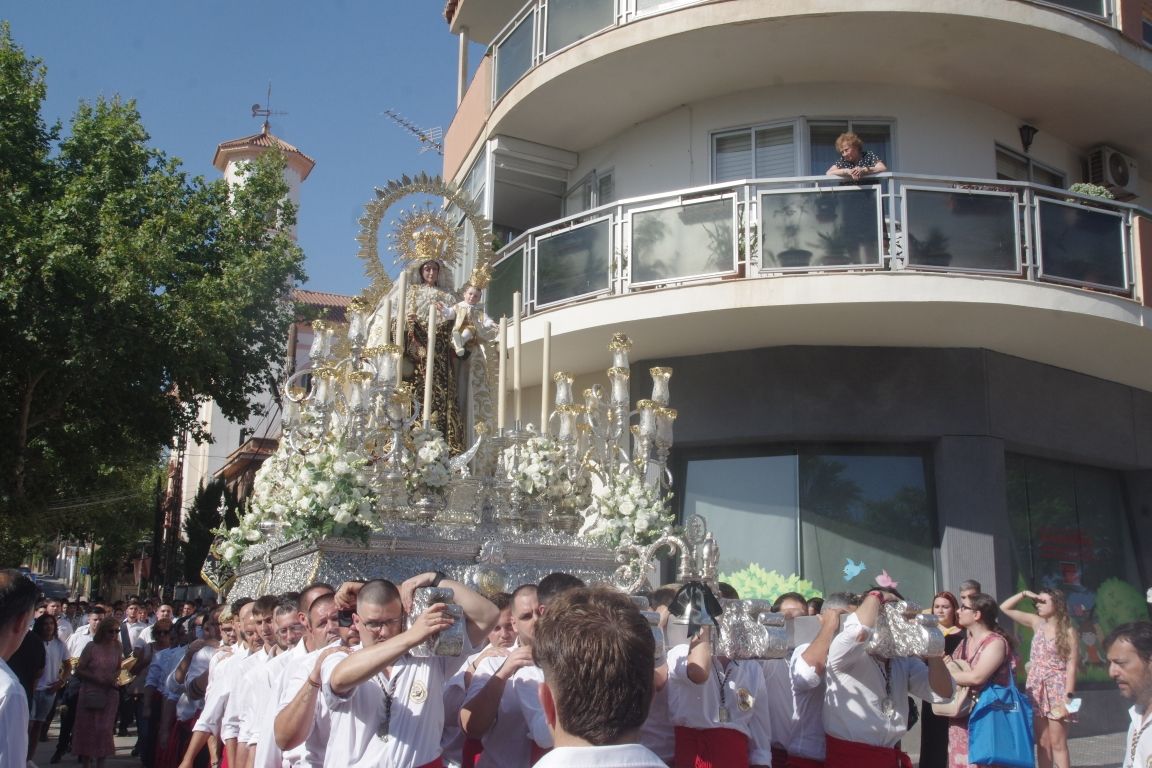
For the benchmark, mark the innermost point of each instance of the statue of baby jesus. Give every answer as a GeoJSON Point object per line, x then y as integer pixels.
{"type": "Point", "coordinates": [469, 319]}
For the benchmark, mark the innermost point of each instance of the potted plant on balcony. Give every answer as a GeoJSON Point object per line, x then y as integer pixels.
{"type": "Point", "coordinates": [930, 252]}
{"type": "Point", "coordinates": [839, 245]}
{"type": "Point", "coordinates": [789, 216]}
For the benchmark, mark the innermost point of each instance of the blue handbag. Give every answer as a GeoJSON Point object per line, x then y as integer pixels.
{"type": "Point", "coordinates": [1000, 728]}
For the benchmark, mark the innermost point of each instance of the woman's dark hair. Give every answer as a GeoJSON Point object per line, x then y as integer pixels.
{"type": "Point", "coordinates": [989, 611]}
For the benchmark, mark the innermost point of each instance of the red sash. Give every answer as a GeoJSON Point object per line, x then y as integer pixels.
{"type": "Point", "coordinates": [710, 748]}
{"type": "Point", "coordinates": [853, 754]}
{"type": "Point", "coordinates": [795, 761]}
{"type": "Point", "coordinates": [537, 752]}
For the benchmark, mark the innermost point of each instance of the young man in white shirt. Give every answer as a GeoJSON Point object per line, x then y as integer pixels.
{"type": "Point", "coordinates": [867, 733]}
{"type": "Point", "coordinates": [1129, 652]}
{"type": "Point", "coordinates": [303, 722]}
{"type": "Point", "coordinates": [502, 706]}
{"type": "Point", "coordinates": [595, 719]}
{"type": "Point", "coordinates": [18, 595]}
{"type": "Point", "coordinates": [387, 705]}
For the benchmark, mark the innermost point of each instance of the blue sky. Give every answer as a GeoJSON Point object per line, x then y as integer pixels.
{"type": "Point", "coordinates": [196, 68]}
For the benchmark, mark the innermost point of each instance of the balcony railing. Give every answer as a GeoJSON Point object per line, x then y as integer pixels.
{"type": "Point", "coordinates": [543, 28]}
{"type": "Point", "coordinates": [768, 227]}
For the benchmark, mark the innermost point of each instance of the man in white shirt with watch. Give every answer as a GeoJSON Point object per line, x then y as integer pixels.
{"type": "Point", "coordinates": [866, 696]}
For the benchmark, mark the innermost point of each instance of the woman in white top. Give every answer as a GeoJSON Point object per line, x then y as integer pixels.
{"type": "Point", "coordinates": [51, 680]}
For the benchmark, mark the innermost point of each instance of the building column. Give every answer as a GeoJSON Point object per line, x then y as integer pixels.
{"type": "Point", "coordinates": [972, 509]}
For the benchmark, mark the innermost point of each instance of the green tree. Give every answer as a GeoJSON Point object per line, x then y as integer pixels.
{"type": "Point", "coordinates": [130, 294]}
{"type": "Point", "coordinates": [203, 518]}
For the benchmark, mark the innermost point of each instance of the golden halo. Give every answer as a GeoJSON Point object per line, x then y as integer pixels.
{"type": "Point", "coordinates": [396, 190]}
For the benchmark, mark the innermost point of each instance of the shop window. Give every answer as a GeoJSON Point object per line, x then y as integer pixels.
{"type": "Point", "coordinates": [1070, 531]}
{"type": "Point", "coordinates": [817, 521]}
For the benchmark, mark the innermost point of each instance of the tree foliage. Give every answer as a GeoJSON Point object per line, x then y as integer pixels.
{"type": "Point", "coordinates": [203, 519]}
{"type": "Point", "coordinates": [129, 294]}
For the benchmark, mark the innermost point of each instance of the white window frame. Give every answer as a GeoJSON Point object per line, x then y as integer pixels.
{"type": "Point", "coordinates": [591, 180]}
{"type": "Point", "coordinates": [1032, 164]}
{"type": "Point", "coordinates": [802, 131]}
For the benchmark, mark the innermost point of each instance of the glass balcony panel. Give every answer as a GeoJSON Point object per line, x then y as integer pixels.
{"type": "Point", "coordinates": [574, 262]}
{"type": "Point", "coordinates": [572, 20]}
{"type": "Point", "coordinates": [1094, 7]}
{"type": "Point", "coordinates": [507, 278]}
{"type": "Point", "coordinates": [820, 228]}
{"type": "Point", "coordinates": [1081, 245]}
{"type": "Point", "coordinates": [961, 230]}
{"type": "Point", "coordinates": [514, 55]}
{"type": "Point", "coordinates": [683, 241]}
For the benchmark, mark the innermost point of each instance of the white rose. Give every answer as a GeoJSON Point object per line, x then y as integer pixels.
{"type": "Point", "coordinates": [252, 535]}
{"type": "Point", "coordinates": [343, 517]}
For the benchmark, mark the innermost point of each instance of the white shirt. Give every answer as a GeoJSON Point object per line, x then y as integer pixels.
{"type": "Point", "coordinates": [452, 742]}
{"type": "Point", "coordinates": [745, 697]}
{"type": "Point", "coordinates": [78, 642]}
{"type": "Point", "coordinates": [63, 627]}
{"type": "Point", "coordinates": [657, 733]}
{"type": "Point", "coordinates": [507, 742]}
{"type": "Point", "coordinates": [1143, 747]}
{"type": "Point", "coordinates": [807, 734]}
{"type": "Point", "coordinates": [778, 687]}
{"type": "Point", "coordinates": [310, 754]}
{"type": "Point", "coordinates": [237, 704]}
{"type": "Point", "coordinates": [855, 690]}
{"type": "Point", "coordinates": [219, 690]}
{"type": "Point", "coordinates": [615, 756]}
{"type": "Point", "coordinates": [54, 654]}
{"type": "Point", "coordinates": [267, 701]}
{"type": "Point", "coordinates": [417, 715]}
{"type": "Point", "coordinates": [13, 719]}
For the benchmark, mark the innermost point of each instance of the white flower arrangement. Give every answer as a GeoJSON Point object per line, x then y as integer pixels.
{"type": "Point", "coordinates": [427, 466]}
{"type": "Point", "coordinates": [324, 493]}
{"type": "Point", "coordinates": [539, 469]}
{"type": "Point", "coordinates": [625, 509]}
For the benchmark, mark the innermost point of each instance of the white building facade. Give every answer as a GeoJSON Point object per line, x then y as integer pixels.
{"type": "Point", "coordinates": [940, 375]}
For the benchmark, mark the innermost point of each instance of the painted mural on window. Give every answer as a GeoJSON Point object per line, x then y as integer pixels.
{"type": "Point", "coordinates": [1070, 532]}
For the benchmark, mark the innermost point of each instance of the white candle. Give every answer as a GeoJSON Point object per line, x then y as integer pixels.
{"type": "Point", "coordinates": [501, 415]}
{"type": "Point", "coordinates": [516, 356]}
{"type": "Point", "coordinates": [429, 365]}
{"type": "Point", "coordinates": [387, 312]}
{"type": "Point", "coordinates": [400, 317]}
{"type": "Point", "coordinates": [544, 378]}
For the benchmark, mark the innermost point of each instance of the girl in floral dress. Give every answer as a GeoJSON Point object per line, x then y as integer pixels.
{"type": "Point", "coordinates": [1051, 671]}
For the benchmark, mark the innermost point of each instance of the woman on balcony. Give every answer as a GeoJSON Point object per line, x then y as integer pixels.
{"type": "Point", "coordinates": [855, 163]}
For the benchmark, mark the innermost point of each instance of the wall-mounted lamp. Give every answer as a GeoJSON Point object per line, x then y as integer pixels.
{"type": "Point", "coordinates": [1027, 133]}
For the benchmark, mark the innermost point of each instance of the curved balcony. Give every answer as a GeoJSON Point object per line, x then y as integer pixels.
{"type": "Point", "coordinates": [912, 260]}
{"type": "Point", "coordinates": [626, 64]}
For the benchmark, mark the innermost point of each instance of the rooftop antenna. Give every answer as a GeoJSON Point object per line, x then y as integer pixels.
{"type": "Point", "coordinates": [266, 110]}
{"type": "Point", "coordinates": [430, 138]}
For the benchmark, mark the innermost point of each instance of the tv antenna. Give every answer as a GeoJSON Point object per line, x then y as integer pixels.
{"type": "Point", "coordinates": [265, 111]}
{"type": "Point", "coordinates": [429, 138]}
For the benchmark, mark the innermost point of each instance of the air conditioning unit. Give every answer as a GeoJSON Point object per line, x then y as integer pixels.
{"type": "Point", "coordinates": [1115, 170]}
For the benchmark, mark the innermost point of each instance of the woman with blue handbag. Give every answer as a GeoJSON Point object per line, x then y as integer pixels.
{"type": "Point", "coordinates": [987, 653]}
